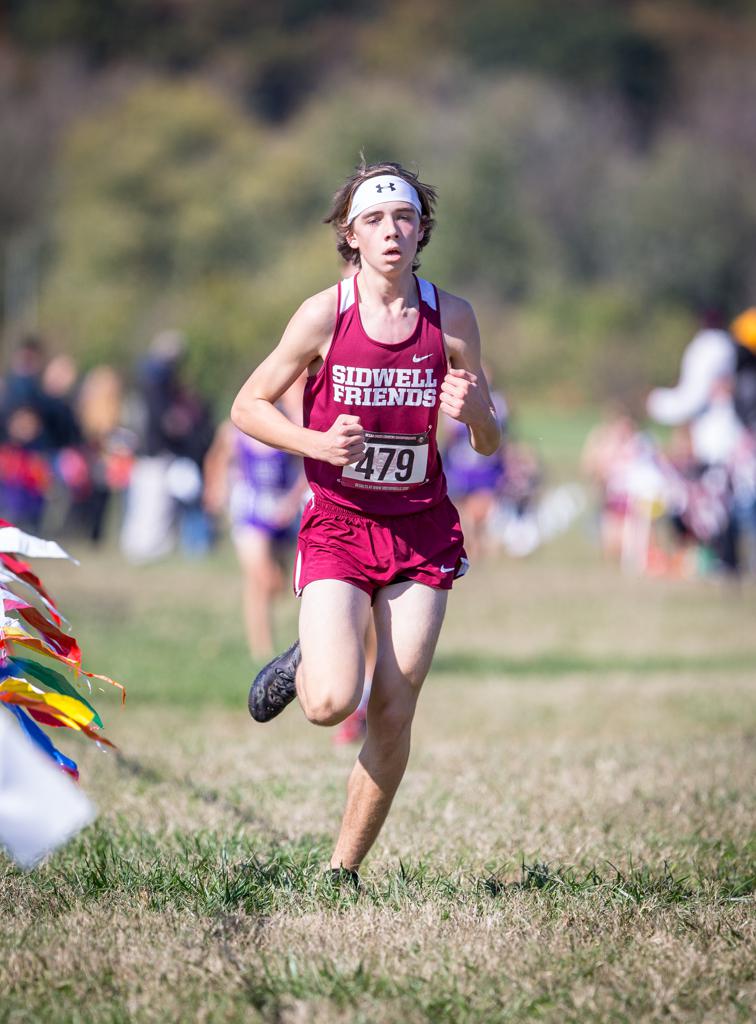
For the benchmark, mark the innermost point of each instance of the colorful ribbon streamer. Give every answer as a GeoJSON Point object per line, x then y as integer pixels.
{"type": "Point", "coordinates": [35, 693]}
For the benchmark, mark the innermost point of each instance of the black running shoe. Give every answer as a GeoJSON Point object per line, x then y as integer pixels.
{"type": "Point", "coordinates": [274, 686]}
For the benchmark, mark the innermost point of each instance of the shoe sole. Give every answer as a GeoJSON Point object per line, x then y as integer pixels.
{"type": "Point", "coordinates": [259, 702]}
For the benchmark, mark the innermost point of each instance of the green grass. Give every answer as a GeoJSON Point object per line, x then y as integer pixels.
{"type": "Point", "coordinates": [210, 873]}
{"type": "Point", "coordinates": [233, 885]}
{"type": "Point", "coordinates": [573, 842]}
{"type": "Point", "coordinates": [557, 435]}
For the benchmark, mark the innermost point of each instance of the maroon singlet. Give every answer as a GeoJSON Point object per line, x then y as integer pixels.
{"type": "Point", "coordinates": [395, 390]}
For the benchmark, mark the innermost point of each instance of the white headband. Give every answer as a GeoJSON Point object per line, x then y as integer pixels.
{"type": "Point", "coordinates": [384, 188]}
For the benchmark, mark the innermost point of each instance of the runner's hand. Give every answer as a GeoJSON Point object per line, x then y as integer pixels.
{"type": "Point", "coordinates": [344, 441]}
{"type": "Point", "coordinates": [461, 398]}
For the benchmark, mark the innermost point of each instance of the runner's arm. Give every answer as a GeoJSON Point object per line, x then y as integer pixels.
{"type": "Point", "coordinates": [215, 469]}
{"type": "Point", "coordinates": [465, 395]}
{"type": "Point", "coordinates": [305, 340]}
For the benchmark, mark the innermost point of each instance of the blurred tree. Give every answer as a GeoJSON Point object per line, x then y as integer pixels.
{"type": "Point", "coordinates": [281, 42]}
{"type": "Point", "coordinates": [37, 103]}
{"type": "Point", "coordinates": [154, 194]}
{"type": "Point", "coordinates": [180, 202]}
{"type": "Point", "coordinates": [681, 227]}
{"type": "Point", "coordinates": [28, 141]}
{"type": "Point", "coordinates": [591, 43]}
{"type": "Point", "coordinates": [530, 162]}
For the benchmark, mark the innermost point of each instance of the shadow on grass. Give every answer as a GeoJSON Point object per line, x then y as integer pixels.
{"type": "Point", "coordinates": [561, 663]}
{"type": "Point", "coordinates": [733, 878]}
{"type": "Point", "coordinates": [635, 885]}
{"type": "Point", "coordinates": [441, 999]}
{"type": "Point", "coordinates": [146, 773]}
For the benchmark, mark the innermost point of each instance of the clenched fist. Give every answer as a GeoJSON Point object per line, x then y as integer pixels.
{"type": "Point", "coordinates": [343, 442]}
{"type": "Point", "coordinates": [461, 397]}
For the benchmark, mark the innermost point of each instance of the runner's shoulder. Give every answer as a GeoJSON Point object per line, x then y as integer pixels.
{"type": "Point", "coordinates": [317, 314]}
{"type": "Point", "coordinates": [457, 315]}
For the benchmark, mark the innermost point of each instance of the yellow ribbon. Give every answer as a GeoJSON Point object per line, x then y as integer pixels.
{"type": "Point", "coordinates": [67, 710]}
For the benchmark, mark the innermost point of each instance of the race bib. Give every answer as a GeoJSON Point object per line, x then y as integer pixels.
{"type": "Point", "coordinates": [392, 461]}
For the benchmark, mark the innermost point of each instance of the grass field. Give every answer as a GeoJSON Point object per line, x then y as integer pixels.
{"type": "Point", "coordinates": [574, 839]}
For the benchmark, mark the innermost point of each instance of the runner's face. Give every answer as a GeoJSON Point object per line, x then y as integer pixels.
{"type": "Point", "coordinates": [387, 236]}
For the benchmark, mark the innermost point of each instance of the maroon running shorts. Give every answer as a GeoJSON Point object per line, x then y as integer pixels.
{"type": "Point", "coordinates": [373, 552]}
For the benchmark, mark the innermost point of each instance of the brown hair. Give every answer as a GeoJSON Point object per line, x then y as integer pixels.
{"type": "Point", "coordinates": [343, 199]}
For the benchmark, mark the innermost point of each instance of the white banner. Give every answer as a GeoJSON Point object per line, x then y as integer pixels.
{"type": "Point", "coordinates": [15, 541]}
{"type": "Point", "coordinates": [39, 807]}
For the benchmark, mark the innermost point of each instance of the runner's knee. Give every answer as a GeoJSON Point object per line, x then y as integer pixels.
{"type": "Point", "coordinates": [326, 705]}
{"type": "Point", "coordinates": [389, 722]}
{"type": "Point", "coordinates": [327, 710]}
{"type": "Point", "coordinates": [408, 674]}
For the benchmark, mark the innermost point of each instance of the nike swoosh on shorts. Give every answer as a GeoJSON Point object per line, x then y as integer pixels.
{"type": "Point", "coordinates": [444, 568]}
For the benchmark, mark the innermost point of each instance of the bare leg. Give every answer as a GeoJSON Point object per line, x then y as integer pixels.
{"type": "Point", "coordinates": [408, 619]}
{"type": "Point", "coordinates": [354, 728]}
{"type": "Point", "coordinates": [261, 582]}
{"type": "Point", "coordinates": [371, 649]}
{"type": "Point", "coordinates": [332, 623]}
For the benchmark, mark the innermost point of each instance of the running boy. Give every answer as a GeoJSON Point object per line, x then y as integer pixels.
{"type": "Point", "coordinates": [384, 352]}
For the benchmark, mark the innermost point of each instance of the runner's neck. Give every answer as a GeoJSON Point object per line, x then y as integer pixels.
{"type": "Point", "coordinates": [392, 295]}
{"type": "Point", "coordinates": [388, 319]}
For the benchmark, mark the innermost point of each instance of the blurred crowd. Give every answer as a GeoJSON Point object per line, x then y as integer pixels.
{"type": "Point", "coordinates": [70, 443]}
{"type": "Point", "coordinates": [63, 449]}
{"type": "Point", "coordinates": [687, 506]}
{"type": "Point", "coordinates": [504, 500]}
{"type": "Point", "coordinates": [93, 455]}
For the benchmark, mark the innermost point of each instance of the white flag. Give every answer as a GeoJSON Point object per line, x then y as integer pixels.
{"type": "Point", "coordinates": [15, 541]}
{"type": "Point", "coordinates": [40, 808]}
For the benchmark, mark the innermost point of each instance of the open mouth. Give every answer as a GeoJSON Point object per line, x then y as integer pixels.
{"type": "Point", "coordinates": [393, 252]}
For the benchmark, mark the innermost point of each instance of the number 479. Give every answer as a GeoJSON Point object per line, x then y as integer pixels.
{"type": "Point", "coordinates": [405, 458]}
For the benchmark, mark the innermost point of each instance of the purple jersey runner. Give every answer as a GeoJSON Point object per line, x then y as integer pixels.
{"type": "Point", "coordinates": [263, 480]}
{"type": "Point", "coordinates": [466, 470]}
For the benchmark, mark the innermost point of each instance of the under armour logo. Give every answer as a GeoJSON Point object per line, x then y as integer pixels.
{"type": "Point", "coordinates": [391, 186]}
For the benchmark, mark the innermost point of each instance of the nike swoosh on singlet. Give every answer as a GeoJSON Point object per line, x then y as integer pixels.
{"type": "Point", "coordinates": [419, 359]}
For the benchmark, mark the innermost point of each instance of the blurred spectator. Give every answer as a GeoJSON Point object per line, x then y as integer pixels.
{"type": "Point", "coordinates": [607, 451]}
{"type": "Point", "coordinates": [474, 480]}
{"type": "Point", "coordinates": [516, 520]}
{"type": "Point", "coordinates": [22, 385]}
{"type": "Point", "coordinates": [639, 490]}
{"type": "Point", "coordinates": [262, 488]}
{"type": "Point", "coordinates": [708, 357]}
{"type": "Point", "coordinates": [704, 399]}
{"type": "Point", "coordinates": [58, 382]}
{"type": "Point", "coordinates": [106, 447]}
{"type": "Point", "coordinates": [743, 330]}
{"type": "Point", "coordinates": [744, 334]}
{"type": "Point", "coordinates": [25, 475]}
{"type": "Point", "coordinates": [70, 480]}
{"type": "Point", "coordinates": [165, 490]}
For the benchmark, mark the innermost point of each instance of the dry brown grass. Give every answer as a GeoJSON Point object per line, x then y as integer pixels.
{"type": "Point", "coordinates": [633, 783]}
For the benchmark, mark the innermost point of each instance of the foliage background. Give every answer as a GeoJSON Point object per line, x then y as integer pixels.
{"type": "Point", "coordinates": [170, 162]}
